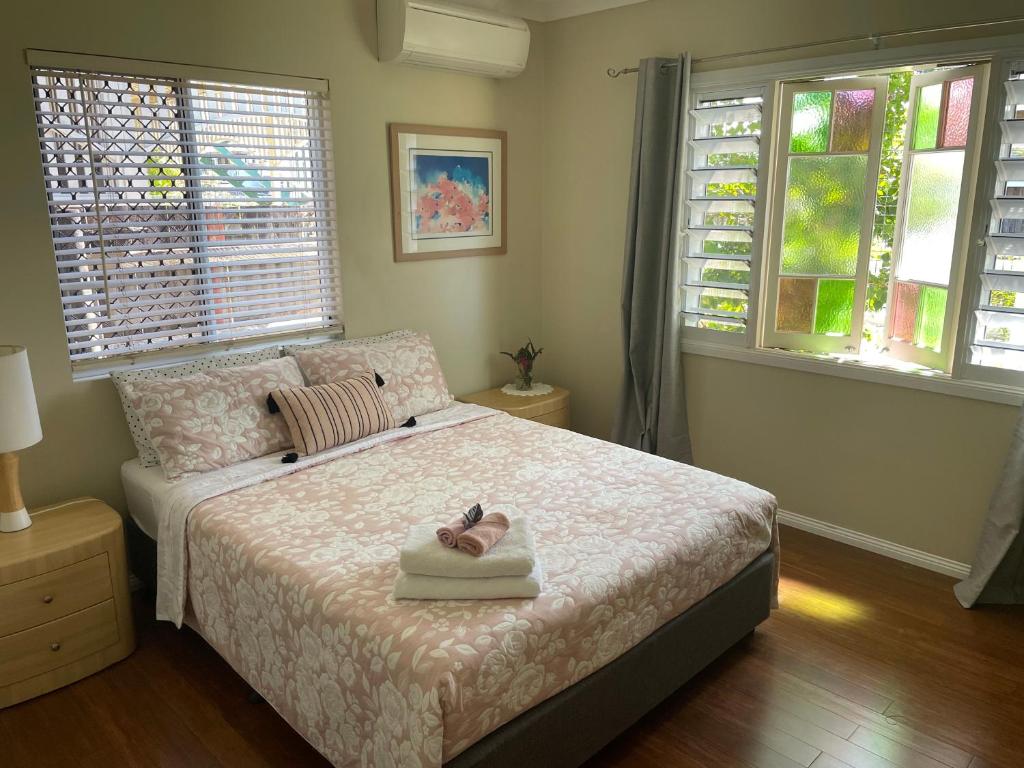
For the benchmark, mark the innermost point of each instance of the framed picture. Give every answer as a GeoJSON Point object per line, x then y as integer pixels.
{"type": "Point", "coordinates": [448, 191]}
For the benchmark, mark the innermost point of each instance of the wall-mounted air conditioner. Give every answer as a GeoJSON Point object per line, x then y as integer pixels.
{"type": "Point", "coordinates": [443, 36]}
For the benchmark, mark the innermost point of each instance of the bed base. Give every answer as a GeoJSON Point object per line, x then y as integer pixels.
{"type": "Point", "coordinates": [570, 727]}
{"type": "Point", "coordinates": [141, 555]}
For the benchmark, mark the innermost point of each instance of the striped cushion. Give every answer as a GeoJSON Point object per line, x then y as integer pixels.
{"type": "Point", "coordinates": [329, 415]}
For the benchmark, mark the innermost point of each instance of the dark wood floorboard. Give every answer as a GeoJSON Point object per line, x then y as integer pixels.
{"type": "Point", "coordinates": [869, 663]}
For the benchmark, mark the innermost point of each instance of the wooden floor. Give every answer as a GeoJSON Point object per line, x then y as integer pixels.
{"type": "Point", "coordinates": [869, 663]}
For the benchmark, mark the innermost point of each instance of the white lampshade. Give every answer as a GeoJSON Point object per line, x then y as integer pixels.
{"type": "Point", "coordinates": [19, 418]}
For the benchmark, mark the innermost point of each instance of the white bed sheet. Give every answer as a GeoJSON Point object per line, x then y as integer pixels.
{"type": "Point", "coordinates": [143, 489]}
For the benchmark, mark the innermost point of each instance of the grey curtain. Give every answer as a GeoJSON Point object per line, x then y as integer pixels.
{"type": "Point", "coordinates": [652, 407]}
{"type": "Point", "coordinates": [997, 575]}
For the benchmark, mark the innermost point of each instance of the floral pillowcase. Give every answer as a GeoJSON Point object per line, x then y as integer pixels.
{"type": "Point", "coordinates": [216, 418]}
{"type": "Point", "coordinates": [413, 381]}
{"type": "Point", "coordinates": [147, 454]}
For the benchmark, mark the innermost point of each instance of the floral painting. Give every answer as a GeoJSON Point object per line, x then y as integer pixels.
{"type": "Point", "coordinates": [448, 191]}
{"type": "Point", "coordinates": [451, 194]}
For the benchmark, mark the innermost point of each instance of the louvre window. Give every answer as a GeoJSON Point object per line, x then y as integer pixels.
{"type": "Point", "coordinates": [721, 212]}
{"type": "Point", "coordinates": [185, 211]}
{"type": "Point", "coordinates": [998, 340]}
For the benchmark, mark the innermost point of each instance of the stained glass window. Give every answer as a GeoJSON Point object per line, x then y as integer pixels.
{"type": "Point", "coordinates": [957, 113]}
{"type": "Point", "coordinates": [927, 236]}
{"type": "Point", "coordinates": [930, 219]}
{"type": "Point", "coordinates": [904, 317]}
{"type": "Point", "coordinates": [811, 111]}
{"type": "Point", "coordinates": [834, 309]}
{"type": "Point", "coordinates": [926, 118]}
{"type": "Point", "coordinates": [919, 315]}
{"type": "Point", "coordinates": [796, 305]}
{"type": "Point", "coordinates": [852, 120]}
{"type": "Point", "coordinates": [824, 206]}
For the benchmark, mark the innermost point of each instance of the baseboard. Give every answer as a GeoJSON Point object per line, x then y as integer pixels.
{"type": "Point", "coordinates": [878, 546]}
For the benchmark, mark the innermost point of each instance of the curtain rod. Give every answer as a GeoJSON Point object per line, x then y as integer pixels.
{"type": "Point", "coordinates": [875, 39]}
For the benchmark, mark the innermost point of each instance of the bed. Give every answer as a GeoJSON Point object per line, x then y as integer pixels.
{"type": "Point", "coordinates": [652, 569]}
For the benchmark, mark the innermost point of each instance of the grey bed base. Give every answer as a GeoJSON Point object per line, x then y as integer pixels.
{"type": "Point", "coordinates": [570, 727]}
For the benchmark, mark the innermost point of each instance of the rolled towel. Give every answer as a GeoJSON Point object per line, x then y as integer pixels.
{"type": "Point", "coordinates": [484, 535]}
{"type": "Point", "coordinates": [514, 555]}
{"type": "Point", "coordinates": [416, 587]}
{"type": "Point", "coordinates": [449, 534]}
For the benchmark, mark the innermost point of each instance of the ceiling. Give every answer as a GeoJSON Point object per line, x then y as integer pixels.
{"type": "Point", "coordinates": [546, 10]}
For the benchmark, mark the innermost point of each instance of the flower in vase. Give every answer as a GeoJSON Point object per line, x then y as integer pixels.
{"type": "Point", "coordinates": [524, 363]}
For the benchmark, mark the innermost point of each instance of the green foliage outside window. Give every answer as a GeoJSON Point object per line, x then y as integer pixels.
{"type": "Point", "coordinates": [1002, 299]}
{"type": "Point", "coordinates": [887, 192]}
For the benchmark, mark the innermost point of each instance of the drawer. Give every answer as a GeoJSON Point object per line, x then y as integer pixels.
{"type": "Point", "coordinates": [40, 649]}
{"type": "Point", "coordinates": [559, 418]}
{"type": "Point", "coordinates": [30, 602]}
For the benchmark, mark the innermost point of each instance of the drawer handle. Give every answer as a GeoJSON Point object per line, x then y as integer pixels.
{"type": "Point", "coordinates": [54, 646]}
{"type": "Point", "coordinates": [47, 599]}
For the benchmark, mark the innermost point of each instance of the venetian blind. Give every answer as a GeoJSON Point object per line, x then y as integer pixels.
{"type": "Point", "coordinates": [720, 197]}
{"type": "Point", "coordinates": [184, 211]}
{"type": "Point", "coordinates": [999, 329]}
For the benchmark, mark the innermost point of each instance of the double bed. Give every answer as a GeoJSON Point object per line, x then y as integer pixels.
{"type": "Point", "coordinates": [651, 570]}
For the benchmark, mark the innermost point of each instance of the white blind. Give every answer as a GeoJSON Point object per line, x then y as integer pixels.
{"type": "Point", "coordinates": [719, 223]}
{"type": "Point", "coordinates": [999, 331]}
{"type": "Point", "coordinates": [185, 211]}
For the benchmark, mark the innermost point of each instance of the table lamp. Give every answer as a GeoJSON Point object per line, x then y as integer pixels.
{"type": "Point", "coordinates": [19, 428]}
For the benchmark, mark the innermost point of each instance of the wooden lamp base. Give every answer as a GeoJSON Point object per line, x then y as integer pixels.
{"type": "Point", "coordinates": [13, 515]}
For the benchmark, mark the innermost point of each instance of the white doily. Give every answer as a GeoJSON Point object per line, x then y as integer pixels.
{"type": "Point", "coordinates": [536, 389]}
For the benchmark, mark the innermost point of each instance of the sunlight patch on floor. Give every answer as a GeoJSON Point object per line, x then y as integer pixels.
{"type": "Point", "coordinates": [816, 603]}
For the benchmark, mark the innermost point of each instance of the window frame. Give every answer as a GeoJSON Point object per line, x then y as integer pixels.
{"type": "Point", "coordinates": [982, 217]}
{"type": "Point", "coordinates": [817, 343]}
{"type": "Point", "coordinates": [681, 248]}
{"type": "Point", "coordinates": [963, 379]}
{"type": "Point", "coordinates": [182, 75]}
{"type": "Point", "coordinates": [901, 350]}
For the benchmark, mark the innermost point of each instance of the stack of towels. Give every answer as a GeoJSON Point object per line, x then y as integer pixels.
{"type": "Point", "coordinates": [492, 558]}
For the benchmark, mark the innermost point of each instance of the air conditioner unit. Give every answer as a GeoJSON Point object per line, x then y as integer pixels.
{"type": "Point", "coordinates": [442, 36]}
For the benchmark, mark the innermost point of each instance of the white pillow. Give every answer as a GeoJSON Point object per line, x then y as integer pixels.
{"type": "Point", "coordinates": [148, 456]}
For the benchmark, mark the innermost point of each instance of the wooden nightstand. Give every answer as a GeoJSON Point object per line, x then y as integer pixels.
{"type": "Point", "coordinates": [552, 408]}
{"type": "Point", "coordinates": [64, 606]}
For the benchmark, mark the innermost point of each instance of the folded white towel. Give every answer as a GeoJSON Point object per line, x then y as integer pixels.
{"type": "Point", "coordinates": [424, 555]}
{"type": "Point", "coordinates": [416, 587]}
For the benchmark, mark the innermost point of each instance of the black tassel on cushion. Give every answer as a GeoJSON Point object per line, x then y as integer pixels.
{"type": "Point", "coordinates": [271, 405]}
{"type": "Point", "coordinates": [289, 458]}
{"type": "Point", "coordinates": [378, 378]}
{"type": "Point", "coordinates": [410, 422]}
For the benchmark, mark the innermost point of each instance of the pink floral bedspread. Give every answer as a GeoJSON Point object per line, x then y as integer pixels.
{"type": "Point", "coordinates": [290, 580]}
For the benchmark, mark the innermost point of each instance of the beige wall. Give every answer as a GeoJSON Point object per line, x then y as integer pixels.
{"type": "Point", "coordinates": [471, 307]}
{"type": "Point", "coordinates": [903, 465]}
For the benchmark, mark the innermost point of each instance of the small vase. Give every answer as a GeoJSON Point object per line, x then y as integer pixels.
{"type": "Point", "coordinates": [524, 381]}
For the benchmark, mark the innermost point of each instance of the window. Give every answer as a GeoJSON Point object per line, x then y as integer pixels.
{"type": "Point", "coordinates": [826, 170]}
{"type": "Point", "coordinates": [722, 187]}
{"type": "Point", "coordinates": [997, 342]}
{"type": "Point", "coordinates": [184, 210]}
{"type": "Point", "coordinates": [848, 211]}
{"type": "Point", "coordinates": [935, 186]}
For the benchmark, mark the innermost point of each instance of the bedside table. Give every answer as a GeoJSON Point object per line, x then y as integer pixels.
{"type": "Point", "coordinates": [64, 606]}
{"type": "Point", "coordinates": [552, 408]}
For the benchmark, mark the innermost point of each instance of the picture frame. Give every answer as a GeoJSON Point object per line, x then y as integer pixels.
{"type": "Point", "coordinates": [448, 191]}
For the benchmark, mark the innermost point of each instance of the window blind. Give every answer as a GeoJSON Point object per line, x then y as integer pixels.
{"type": "Point", "coordinates": [999, 329]}
{"type": "Point", "coordinates": [185, 211]}
{"type": "Point", "coordinates": [720, 203]}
